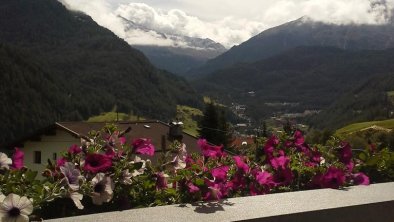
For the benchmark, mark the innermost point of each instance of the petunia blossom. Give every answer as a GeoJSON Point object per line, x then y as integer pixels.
{"type": "Point", "coordinates": [270, 145]}
{"type": "Point", "coordinates": [126, 177]}
{"type": "Point", "coordinates": [220, 173]}
{"type": "Point", "coordinates": [96, 163]}
{"type": "Point", "coordinates": [298, 138]}
{"type": "Point", "coordinates": [140, 171]}
{"type": "Point", "coordinates": [15, 208]}
{"type": "Point", "coordinates": [280, 162]}
{"type": "Point", "coordinates": [17, 159]}
{"type": "Point", "coordinates": [333, 178]}
{"type": "Point", "coordinates": [283, 177]}
{"type": "Point", "coordinates": [214, 191]}
{"type": "Point", "coordinates": [210, 151]}
{"type": "Point", "coordinates": [102, 189]}
{"type": "Point", "coordinates": [60, 162]}
{"type": "Point", "coordinates": [360, 179]}
{"type": "Point", "coordinates": [76, 198]}
{"type": "Point", "coordinates": [192, 188]}
{"type": "Point", "coordinates": [265, 179]}
{"type": "Point", "coordinates": [345, 155]}
{"type": "Point", "coordinates": [5, 162]}
{"type": "Point", "coordinates": [74, 149]}
{"type": "Point", "coordinates": [143, 146]}
{"type": "Point", "coordinates": [72, 175]}
{"type": "Point", "coordinates": [241, 165]}
{"type": "Point", "coordinates": [178, 163]}
{"type": "Point", "coordinates": [161, 181]}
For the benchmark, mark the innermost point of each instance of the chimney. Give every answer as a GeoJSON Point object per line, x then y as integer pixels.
{"type": "Point", "coordinates": [176, 131]}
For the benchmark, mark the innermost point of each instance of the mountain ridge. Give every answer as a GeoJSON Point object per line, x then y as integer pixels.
{"type": "Point", "coordinates": [93, 69]}
{"type": "Point", "coordinates": [302, 32]}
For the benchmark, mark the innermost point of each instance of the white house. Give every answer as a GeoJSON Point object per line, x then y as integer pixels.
{"type": "Point", "coordinates": [50, 142]}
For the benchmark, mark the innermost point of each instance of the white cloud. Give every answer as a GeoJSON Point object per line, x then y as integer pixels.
{"type": "Point", "coordinates": [227, 22]}
{"type": "Point", "coordinates": [227, 31]}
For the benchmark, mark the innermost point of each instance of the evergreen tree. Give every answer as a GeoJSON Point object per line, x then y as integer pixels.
{"type": "Point", "coordinates": [213, 126]}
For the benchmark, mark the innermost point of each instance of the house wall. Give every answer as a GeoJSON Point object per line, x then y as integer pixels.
{"type": "Point", "coordinates": [48, 145]}
{"type": "Point", "coordinates": [62, 140]}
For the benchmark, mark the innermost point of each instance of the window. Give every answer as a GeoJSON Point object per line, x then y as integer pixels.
{"type": "Point", "coordinates": [37, 157]}
{"type": "Point", "coordinates": [54, 156]}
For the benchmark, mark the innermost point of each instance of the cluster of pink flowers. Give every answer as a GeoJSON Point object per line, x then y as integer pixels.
{"type": "Point", "coordinates": [225, 176]}
{"type": "Point", "coordinates": [109, 167]}
{"type": "Point", "coordinates": [96, 167]}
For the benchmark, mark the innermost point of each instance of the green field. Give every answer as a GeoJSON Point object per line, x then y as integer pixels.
{"type": "Point", "coordinates": [113, 116]}
{"type": "Point", "coordinates": [188, 116]}
{"type": "Point", "coordinates": [388, 124]}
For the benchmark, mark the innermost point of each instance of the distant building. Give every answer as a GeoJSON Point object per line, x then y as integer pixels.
{"type": "Point", "coordinates": [50, 142]}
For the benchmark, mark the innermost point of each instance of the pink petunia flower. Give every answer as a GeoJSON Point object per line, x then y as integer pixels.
{"type": "Point", "coordinates": [161, 181]}
{"type": "Point", "coordinates": [298, 138]}
{"type": "Point", "coordinates": [220, 173]}
{"type": "Point", "coordinates": [345, 155]}
{"type": "Point", "coordinates": [270, 145]}
{"type": "Point", "coordinates": [192, 188]}
{"type": "Point", "coordinates": [241, 165]}
{"type": "Point", "coordinates": [96, 163]}
{"type": "Point", "coordinates": [283, 177]}
{"type": "Point", "coordinates": [265, 179]}
{"type": "Point", "coordinates": [74, 149]}
{"type": "Point", "coordinates": [17, 159]}
{"type": "Point", "coordinates": [143, 146]}
{"type": "Point", "coordinates": [280, 162]}
{"type": "Point", "coordinates": [333, 178]}
{"type": "Point", "coordinates": [60, 162]}
{"type": "Point", "coordinates": [210, 151]}
{"type": "Point", "coordinates": [214, 191]}
{"type": "Point", "coordinates": [360, 179]}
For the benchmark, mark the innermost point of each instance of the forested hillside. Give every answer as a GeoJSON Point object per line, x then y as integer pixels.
{"type": "Point", "coordinates": [370, 101]}
{"type": "Point", "coordinates": [60, 65]}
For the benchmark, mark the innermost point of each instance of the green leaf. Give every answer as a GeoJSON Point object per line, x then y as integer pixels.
{"type": "Point", "coordinates": [30, 175]}
{"type": "Point", "coordinates": [199, 182]}
{"type": "Point", "coordinates": [363, 156]}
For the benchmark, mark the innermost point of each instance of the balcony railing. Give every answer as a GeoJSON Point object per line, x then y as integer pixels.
{"type": "Point", "coordinates": [362, 203]}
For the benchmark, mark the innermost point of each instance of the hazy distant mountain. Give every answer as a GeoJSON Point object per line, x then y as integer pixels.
{"type": "Point", "coordinates": [60, 65]}
{"type": "Point", "coordinates": [178, 60]}
{"type": "Point", "coordinates": [310, 77]}
{"type": "Point", "coordinates": [183, 54]}
{"type": "Point", "coordinates": [303, 32]}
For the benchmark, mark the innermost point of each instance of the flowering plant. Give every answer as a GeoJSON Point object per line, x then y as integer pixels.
{"type": "Point", "coordinates": [107, 172]}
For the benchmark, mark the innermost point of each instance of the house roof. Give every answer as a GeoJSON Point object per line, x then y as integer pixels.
{"type": "Point", "coordinates": [238, 141]}
{"type": "Point", "coordinates": [152, 129]}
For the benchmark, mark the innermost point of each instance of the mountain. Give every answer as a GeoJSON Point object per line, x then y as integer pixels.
{"type": "Point", "coordinates": [303, 32]}
{"type": "Point", "coordinates": [178, 60]}
{"type": "Point", "coordinates": [179, 54]}
{"type": "Point", "coordinates": [301, 79]}
{"type": "Point", "coordinates": [60, 65]}
{"type": "Point", "coordinates": [371, 101]}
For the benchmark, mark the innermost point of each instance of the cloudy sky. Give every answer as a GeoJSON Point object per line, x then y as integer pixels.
{"type": "Point", "coordinates": [229, 22]}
